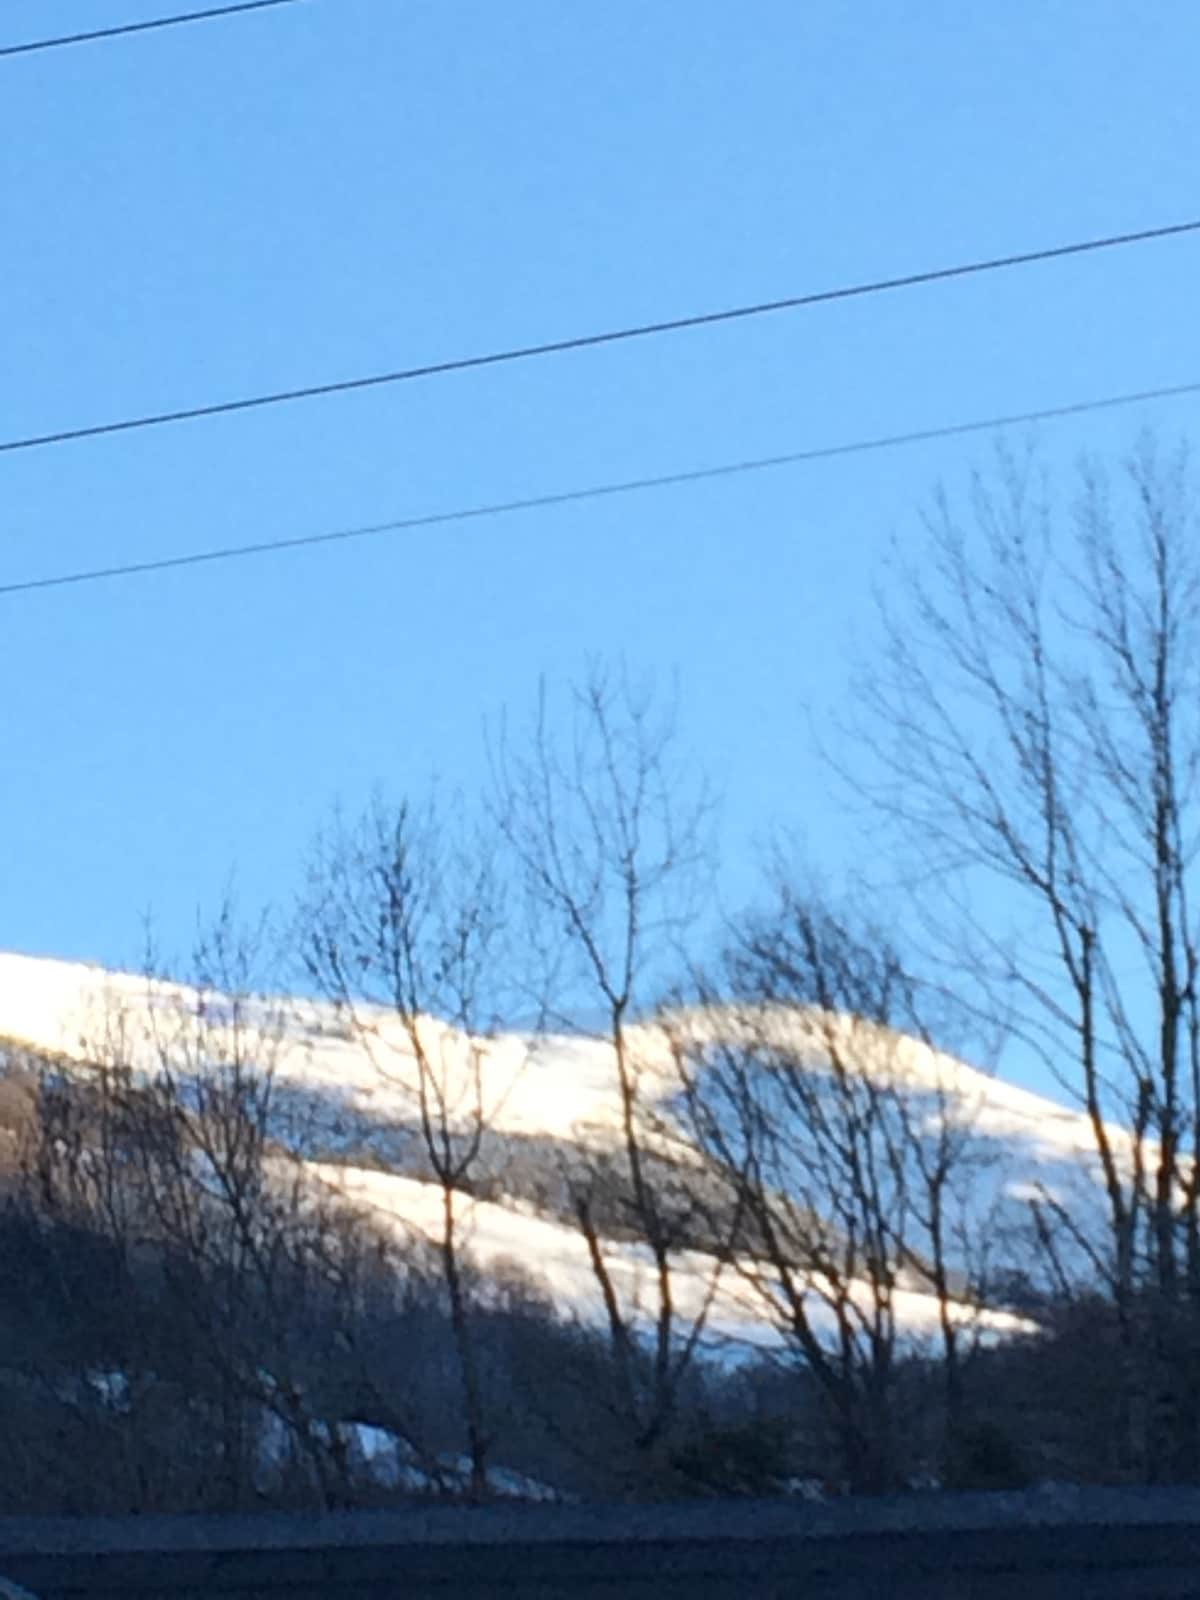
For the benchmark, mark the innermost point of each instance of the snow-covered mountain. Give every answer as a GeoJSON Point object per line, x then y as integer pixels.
{"type": "Point", "coordinates": [352, 1089]}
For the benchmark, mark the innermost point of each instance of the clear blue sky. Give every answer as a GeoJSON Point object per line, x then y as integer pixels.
{"type": "Point", "coordinates": [351, 185]}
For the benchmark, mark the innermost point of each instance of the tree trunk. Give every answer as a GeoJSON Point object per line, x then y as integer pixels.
{"type": "Point", "coordinates": [465, 1350]}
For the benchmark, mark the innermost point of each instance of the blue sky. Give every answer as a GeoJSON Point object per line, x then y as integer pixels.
{"type": "Point", "coordinates": [352, 185]}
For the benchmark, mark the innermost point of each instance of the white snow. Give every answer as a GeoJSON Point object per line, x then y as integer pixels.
{"type": "Point", "coordinates": [557, 1087]}
{"type": "Point", "coordinates": [552, 1087]}
{"type": "Point", "coordinates": [367, 1074]}
{"type": "Point", "coordinates": [558, 1254]}
{"type": "Point", "coordinates": [376, 1455]}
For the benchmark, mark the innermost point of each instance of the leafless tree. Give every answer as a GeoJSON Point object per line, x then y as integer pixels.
{"type": "Point", "coordinates": [164, 1139]}
{"type": "Point", "coordinates": [608, 827]}
{"type": "Point", "coordinates": [404, 927]}
{"type": "Point", "coordinates": [1034, 726]}
{"type": "Point", "coordinates": [812, 1087]}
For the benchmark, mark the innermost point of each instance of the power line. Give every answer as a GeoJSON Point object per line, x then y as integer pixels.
{"type": "Point", "coordinates": [591, 340]}
{"type": "Point", "coordinates": [125, 28]}
{"type": "Point", "coordinates": [669, 480]}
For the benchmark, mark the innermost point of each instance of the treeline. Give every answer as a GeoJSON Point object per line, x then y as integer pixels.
{"type": "Point", "coordinates": [228, 1334]}
{"type": "Point", "coordinates": [787, 1132]}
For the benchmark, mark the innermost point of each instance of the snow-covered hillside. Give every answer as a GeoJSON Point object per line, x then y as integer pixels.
{"type": "Point", "coordinates": [500, 1235]}
{"type": "Point", "coordinates": [559, 1089]}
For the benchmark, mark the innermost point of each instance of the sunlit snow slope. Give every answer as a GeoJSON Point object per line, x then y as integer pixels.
{"type": "Point", "coordinates": [556, 1088]}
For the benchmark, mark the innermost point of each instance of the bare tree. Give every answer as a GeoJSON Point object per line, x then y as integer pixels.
{"type": "Point", "coordinates": [607, 825]}
{"type": "Point", "coordinates": [1037, 716]}
{"type": "Point", "coordinates": [812, 1087]}
{"type": "Point", "coordinates": [165, 1141]}
{"type": "Point", "coordinates": [404, 928]}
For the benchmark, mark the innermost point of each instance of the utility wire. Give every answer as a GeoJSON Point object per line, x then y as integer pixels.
{"type": "Point", "coordinates": [591, 340]}
{"type": "Point", "coordinates": [125, 28]}
{"type": "Point", "coordinates": [628, 486]}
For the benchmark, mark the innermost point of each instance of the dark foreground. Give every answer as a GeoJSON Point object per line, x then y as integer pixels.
{"type": "Point", "coordinates": [1096, 1544]}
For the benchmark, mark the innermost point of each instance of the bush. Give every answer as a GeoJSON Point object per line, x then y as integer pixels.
{"type": "Point", "coordinates": [741, 1458]}
{"type": "Point", "coordinates": [985, 1456]}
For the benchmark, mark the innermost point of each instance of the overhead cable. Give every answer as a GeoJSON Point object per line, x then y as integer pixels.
{"type": "Point", "coordinates": [586, 341]}
{"type": "Point", "coordinates": [566, 497]}
{"type": "Point", "coordinates": [121, 30]}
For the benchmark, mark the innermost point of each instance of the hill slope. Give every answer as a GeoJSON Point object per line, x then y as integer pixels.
{"type": "Point", "coordinates": [348, 1098]}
